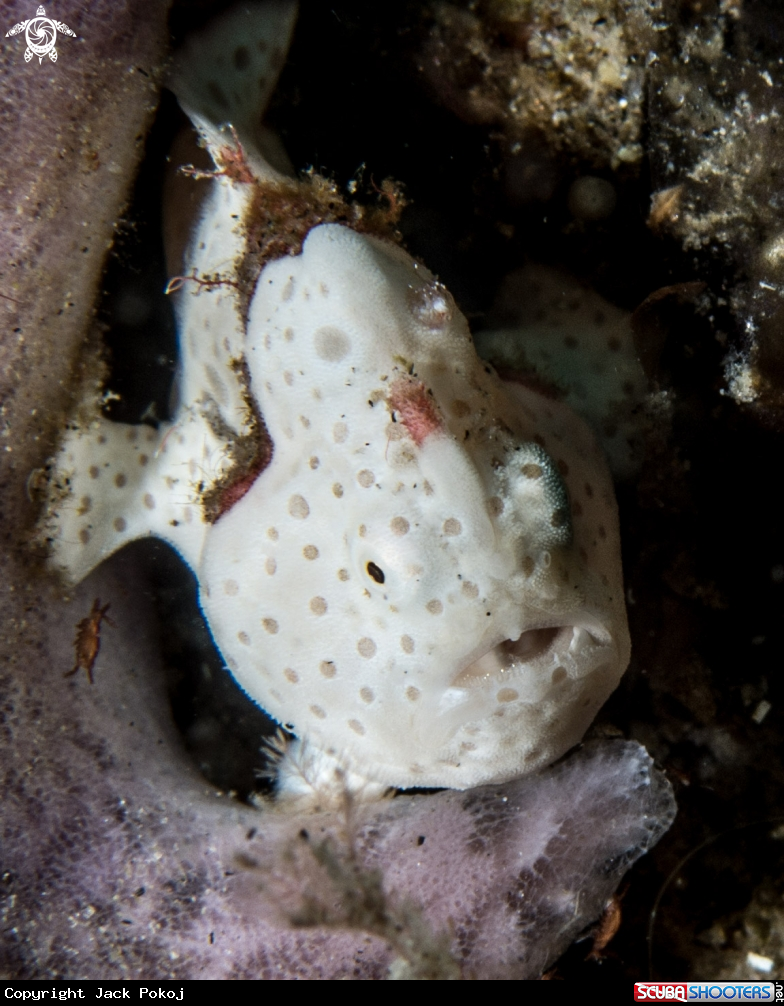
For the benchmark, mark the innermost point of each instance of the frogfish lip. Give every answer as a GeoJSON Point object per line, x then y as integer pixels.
{"type": "Point", "coordinates": [539, 660]}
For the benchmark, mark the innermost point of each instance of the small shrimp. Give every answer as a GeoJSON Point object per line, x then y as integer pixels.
{"type": "Point", "coordinates": [607, 927]}
{"type": "Point", "coordinates": [88, 639]}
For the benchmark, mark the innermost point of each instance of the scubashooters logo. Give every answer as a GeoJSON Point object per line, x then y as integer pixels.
{"type": "Point", "coordinates": [40, 35]}
{"type": "Point", "coordinates": [650, 992]}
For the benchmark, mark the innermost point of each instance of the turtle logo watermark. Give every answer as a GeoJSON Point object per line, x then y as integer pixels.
{"type": "Point", "coordinates": [40, 35]}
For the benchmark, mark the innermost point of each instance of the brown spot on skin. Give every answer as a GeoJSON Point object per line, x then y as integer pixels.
{"type": "Point", "coordinates": [94, 471]}
{"type": "Point", "coordinates": [559, 675]}
{"type": "Point", "coordinates": [318, 712]}
{"type": "Point", "coordinates": [244, 638]}
{"type": "Point", "coordinates": [327, 668]}
{"type": "Point", "coordinates": [435, 607]}
{"type": "Point", "coordinates": [120, 480]}
{"type": "Point", "coordinates": [357, 727]}
{"type": "Point", "coordinates": [314, 463]}
{"type": "Point", "coordinates": [495, 506]}
{"type": "Point", "coordinates": [310, 552]}
{"type": "Point", "coordinates": [399, 526]}
{"type": "Point", "coordinates": [270, 566]}
{"type": "Point", "coordinates": [331, 344]}
{"type": "Point", "coordinates": [85, 505]}
{"type": "Point", "coordinates": [272, 533]}
{"type": "Point", "coordinates": [291, 675]}
{"type": "Point", "coordinates": [217, 95]}
{"type": "Point", "coordinates": [460, 408]}
{"type": "Point", "coordinates": [339, 433]}
{"type": "Point", "coordinates": [343, 575]}
{"type": "Point", "coordinates": [366, 478]}
{"type": "Point", "coordinates": [270, 625]}
{"type": "Point", "coordinates": [470, 590]}
{"type": "Point", "coordinates": [298, 507]}
{"type": "Point", "coordinates": [366, 694]}
{"type": "Point", "coordinates": [84, 536]}
{"type": "Point", "coordinates": [318, 606]}
{"type": "Point", "coordinates": [412, 693]}
{"type": "Point", "coordinates": [119, 524]}
{"type": "Point", "coordinates": [589, 490]}
{"type": "Point", "coordinates": [532, 471]}
{"type": "Point", "coordinates": [337, 490]}
{"type": "Point", "coordinates": [366, 647]}
{"type": "Point", "coordinates": [231, 587]}
{"type": "Point", "coordinates": [362, 530]}
{"type": "Point", "coordinates": [452, 527]}
{"type": "Point", "coordinates": [143, 459]}
{"type": "Point", "coordinates": [558, 518]}
{"type": "Point", "coordinates": [404, 456]}
{"type": "Point", "coordinates": [563, 468]}
{"type": "Point", "coordinates": [149, 501]}
{"type": "Point", "coordinates": [407, 644]}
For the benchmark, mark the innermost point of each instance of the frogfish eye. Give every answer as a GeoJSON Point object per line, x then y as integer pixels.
{"type": "Point", "coordinates": [376, 572]}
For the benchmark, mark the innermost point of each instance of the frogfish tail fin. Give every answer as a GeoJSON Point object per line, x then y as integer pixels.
{"type": "Point", "coordinates": [223, 77]}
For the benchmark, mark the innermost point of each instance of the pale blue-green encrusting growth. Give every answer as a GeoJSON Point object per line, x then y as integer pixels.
{"type": "Point", "coordinates": [410, 563]}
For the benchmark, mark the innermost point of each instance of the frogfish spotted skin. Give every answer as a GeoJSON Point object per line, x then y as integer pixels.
{"type": "Point", "coordinates": [413, 565]}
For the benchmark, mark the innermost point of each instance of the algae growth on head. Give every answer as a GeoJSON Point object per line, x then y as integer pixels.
{"type": "Point", "coordinates": [410, 563]}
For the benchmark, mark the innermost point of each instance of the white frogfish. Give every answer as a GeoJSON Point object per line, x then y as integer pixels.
{"type": "Point", "coordinates": [410, 563]}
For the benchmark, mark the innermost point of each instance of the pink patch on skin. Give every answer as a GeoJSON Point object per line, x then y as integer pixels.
{"type": "Point", "coordinates": [233, 493]}
{"type": "Point", "coordinates": [415, 407]}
